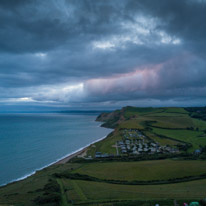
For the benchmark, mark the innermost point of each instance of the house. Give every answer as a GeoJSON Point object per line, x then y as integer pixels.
{"type": "Point", "coordinates": [135, 152]}
{"type": "Point", "coordinates": [146, 150]}
{"type": "Point", "coordinates": [127, 142]}
{"type": "Point", "coordinates": [123, 147]}
{"type": "Point", "coordinates": [152, 149]}
{"type": "Point", "coordinates": [197, 152]}
{"type": "Point", "coordinates": [121, 143]}
{"type": "Point", "coordinates": [98, 154]}
{"type": "Point", "coordinates": [105, 155]}
{"type": "Point", "coordinates": [88, 158]}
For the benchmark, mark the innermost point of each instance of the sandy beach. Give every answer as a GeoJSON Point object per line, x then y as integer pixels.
{"type": "Point", "coordinates": [66, 159]}
{"type": "Point", "coordinates": [81, 153]}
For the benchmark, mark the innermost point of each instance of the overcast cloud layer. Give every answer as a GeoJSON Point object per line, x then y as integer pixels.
{"type": "Point", "coordinates": [103, 52]}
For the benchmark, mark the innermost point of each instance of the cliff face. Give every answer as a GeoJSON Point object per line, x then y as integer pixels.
{"type": "Point", "coordinates": [112, 119]}
{"type": "Point", "coordinates": [103, 117]}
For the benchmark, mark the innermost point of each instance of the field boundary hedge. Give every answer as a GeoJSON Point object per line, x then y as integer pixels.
{"type": "Point", "coordinates": [77, 176]}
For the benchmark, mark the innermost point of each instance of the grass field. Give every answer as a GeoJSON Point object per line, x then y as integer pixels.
{"type": "Point", "coordinates": [196, 138]}
{"type": "Point", "coordinates": [78, 191]}
{"type": "Point", "coordinates": [173, 122]}
{"type": "Point", "coordinates": [160, 140]}
{"type": "Point", "coordinates": [144, 170]}
{"type": "Point", "coordinates": [106, 145]}
{"type": "Point", "coordinates": [133, 123]}
{"type": "Point", "coordinates": [135, 111]}
{"type": "Point", "coordinates": [178, 110]}
{"type": "Point", "coordinates": [199, 123]}
{"type": "Point", "coordinates": [93, 191]}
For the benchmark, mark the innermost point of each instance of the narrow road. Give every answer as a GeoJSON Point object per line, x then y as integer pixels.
{"type": "Point", "coordinates": [79, 191]}
{"type": "Point", "coordinates": [64, 196]}
{"type": "Point", "coordinates": [117, 149]}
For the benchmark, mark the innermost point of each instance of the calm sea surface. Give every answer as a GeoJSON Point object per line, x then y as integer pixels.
{"type": "Point", "coordinates": [31, 141]}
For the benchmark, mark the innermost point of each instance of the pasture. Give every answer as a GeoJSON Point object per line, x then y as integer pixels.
{"type": "Point", "coordinates": [86, 191]}
{"type": "Point", "coordinates": [143, 170]}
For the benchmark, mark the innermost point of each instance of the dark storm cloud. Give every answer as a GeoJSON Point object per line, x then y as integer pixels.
{"type": "Point", "coordinates": [99, 51]}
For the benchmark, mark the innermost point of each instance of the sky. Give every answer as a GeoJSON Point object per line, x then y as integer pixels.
{"type": "Point", "coordinates": [102, 53]}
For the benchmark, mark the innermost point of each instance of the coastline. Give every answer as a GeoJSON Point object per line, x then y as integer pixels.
{"type": "Point", "coordinates": [70, 156]}
{"type": "Point", "coordinates": [59, 161]}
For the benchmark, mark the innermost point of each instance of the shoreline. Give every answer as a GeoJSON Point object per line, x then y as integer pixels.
{"type": "Point", "coordinates": [77, 152]}
{"type": "Point", "coordinates": [59, 161]}
{"type": "Point", "coordinates": [70, 156]}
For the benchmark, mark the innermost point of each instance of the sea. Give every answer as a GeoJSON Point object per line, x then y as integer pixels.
{"type": "Point", "coordinates": [32, 141]}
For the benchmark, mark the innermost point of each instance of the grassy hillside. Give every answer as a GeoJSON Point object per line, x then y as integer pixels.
{"type": "Point", "coordinates": [167, 126]}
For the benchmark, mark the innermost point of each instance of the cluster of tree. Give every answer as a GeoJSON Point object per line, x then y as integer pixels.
{"type": "Point", "coordinates": [197, 112]}
{"type": "Point", "coordinates": [51, 194]}
{"type": "Point", "coordinates": [184, 147]}
{"type": "Point", "coordinates": [203, 153]}
{"type": "Point", "coordinates": [166, 202]}
{"type": "Point", "coordinates": [193, 128]}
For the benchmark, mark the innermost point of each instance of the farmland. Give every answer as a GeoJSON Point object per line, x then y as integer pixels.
{"type": "Point", "coordinates": [143, 170]}
{"type": "Point", "coordinates": [81, 191]}
{"type": "Point", "coordinates": [103, 192]}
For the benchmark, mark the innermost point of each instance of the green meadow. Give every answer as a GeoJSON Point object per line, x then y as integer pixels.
{"type": "Point", "coordinates": [196, 138]}
{"type": "Point", "coordinates": [143, 170]}
{"type": "Point", "coordinates": [85, 191]}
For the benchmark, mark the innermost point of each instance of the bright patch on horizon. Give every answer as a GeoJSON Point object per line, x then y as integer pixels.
{"type": "Point", "coordinates": [103, 45]}
{"type": "Point", "coordinates": [60, 93]}
{"type": "Point", "coordinates": [21, 99]}
{"type": "Point", "coordinates": [73, 87]}
{"type": "Point", "coordinates": [41, 55]}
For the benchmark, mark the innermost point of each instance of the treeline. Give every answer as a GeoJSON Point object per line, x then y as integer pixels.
{"type": "Point", "coordinates": [165, 202]}
{"type": "Point", "coordinates": [131, 158]}
{"type": "Point", "coordinates": [197, 112]}
{"type": "Point", "coordinates": [143, 157]}
{"type": "Point", "coordinates": [77, 176]}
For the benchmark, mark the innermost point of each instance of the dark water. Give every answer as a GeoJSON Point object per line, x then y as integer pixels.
{"type": "Point", "coordinates": [31, 141]}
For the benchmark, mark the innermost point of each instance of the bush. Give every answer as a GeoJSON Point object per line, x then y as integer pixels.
{"type": "Point", "coordinates": [51, 194]}
{"type": "Point", "coordinates": [49, 198]}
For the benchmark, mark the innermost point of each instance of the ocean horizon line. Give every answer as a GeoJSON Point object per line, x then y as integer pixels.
{"type": "Point", "coordinates": [48, 112]}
